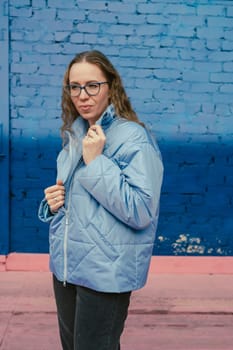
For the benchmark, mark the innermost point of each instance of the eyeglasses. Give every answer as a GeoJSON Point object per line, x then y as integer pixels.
{"type": "Point", "coordinates": [91, 89]}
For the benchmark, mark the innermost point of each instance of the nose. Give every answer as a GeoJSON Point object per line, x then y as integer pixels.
{"type": "Point", "coordinates": [83, 93]}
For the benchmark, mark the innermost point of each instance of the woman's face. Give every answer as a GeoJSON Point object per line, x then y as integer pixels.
{"type": "Point", "coordinates": [89, 107]}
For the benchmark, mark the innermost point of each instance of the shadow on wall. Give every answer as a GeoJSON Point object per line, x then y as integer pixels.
{"type": "Point", "coordinates": [196, 202]}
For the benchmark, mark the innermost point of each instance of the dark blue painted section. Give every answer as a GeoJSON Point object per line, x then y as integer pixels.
{"type": "Point", "coordinates": [176, 62]}
{"type": "Point", "coordinates": [196, 202]}
{"type": "Point", "coordinates": [4, 130]}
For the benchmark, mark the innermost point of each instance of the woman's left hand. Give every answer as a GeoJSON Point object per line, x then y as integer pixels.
{"type": "Point", "coordinates": [93, 143]}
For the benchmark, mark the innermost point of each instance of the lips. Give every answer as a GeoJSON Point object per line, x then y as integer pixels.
{"type": "Point", "coordinates": [85, 108]}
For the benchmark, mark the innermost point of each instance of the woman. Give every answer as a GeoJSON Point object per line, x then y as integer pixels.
{"type": "Point", "coordinates": [103, 209]}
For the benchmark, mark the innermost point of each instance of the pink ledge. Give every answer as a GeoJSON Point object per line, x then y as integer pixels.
{"type": "Point", "coordinates": [27, 262]}
{"type": "Point", "coordinates": [159, 264]}
{"type": "Point", "coordinates": [192, 264]}
{"type": "Point", "coordinates": [2, 263]}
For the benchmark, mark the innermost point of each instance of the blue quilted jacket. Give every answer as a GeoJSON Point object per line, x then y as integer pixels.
{"type": "Point", "coordinates": [103, 236]}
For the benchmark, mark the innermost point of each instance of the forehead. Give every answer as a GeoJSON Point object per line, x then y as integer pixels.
{"type": "Point", "coordinates": [83, 72]}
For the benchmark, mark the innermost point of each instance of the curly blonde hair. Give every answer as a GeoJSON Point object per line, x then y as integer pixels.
{"type": "Point", "coordinates": [118, 96]}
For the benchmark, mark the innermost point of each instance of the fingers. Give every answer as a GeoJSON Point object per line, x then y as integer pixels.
{"type": "Point", "coordinates": [93, 143]}
{"type": "Point", "coordinates": [60, 183]}
{"type": "Point", "coordinates": [91, 134]}
{"type": "Point", "coordinates": [55, 196]}
{"type": "Point", "coordinates": [95, 131]}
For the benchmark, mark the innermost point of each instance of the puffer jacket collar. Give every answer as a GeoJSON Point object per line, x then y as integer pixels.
{"type": "Point", "coordinates": [72, 152]}
{"type": "Point", "coordinates": [80, 125]}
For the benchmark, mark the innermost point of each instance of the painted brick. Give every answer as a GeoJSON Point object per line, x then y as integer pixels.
{"type": "Point", "coordinates": [166, 53]}
{"type": "Point", "coordinates": [45, 14]}
{"type": "Point", "coordinates": [153, 29]}
{"type": "Point", "coordinates": [210, 33]}
{"type": "Point", "coordinates": [61, 4]}
{"type": "Point", "coordinates": [150, 8]}
{"type": "Point", "coordinates": [121, 7]}
{"type": "Point", "coordinates": [205, 66]}
{"type": "Point", "coordinates": [92, 5]}
{"type": "Point", "coordinates": [182, 42]}
{"type": "Point", "coordinates": [131, 52]}
{"type": "Point", "coordinates": [21, 3]}
{"type": "Point", "coordinates": [214, 45]}
{"type": "Point", "coordinates": [177, 29]}
{"type": "Point", "coordinates": [196, 76]}
{"type": "Point", "coordinates": [219, 22]}
{"type": "Point", "coordinates": [34, 57]}
{"type": "Point", "coordinates": [101, 17]}
{"type": "Point", "coordinates": [203, 87]}
{"type": "Point", "coordinates": [68, 14]}
{"type": "Point", "coordinates": [228, 88]}
{"type": "Point", "coordinates": [181, 9]}
{"type": "Point", "coordinates": [22, 12]}
{"type": "Point", "coordinates": [121, 29]}
{"type": "Point", "coordinates": [213, 10]}
{"type": "Point", "coordinates": [179, 64]}
{"type": "Point", "coordinates": [24, 68]}
{"type": "Point", "coordinates": [149, 83]}
{"type": "Point", "coordinates": [17, 23]}
{"type": "Point", "coordinates": [198, 44]}
{"type": "Point", "coordinates": [227, 45]}
{"type": "Point", "coordinates": [47, 48]}
{"type": "Point", "coordinates": [228, 67]}
{"type": "Point", "coordinates": [130, 19]}
{"type": "Point", "coordinates": [72, 49]}
{"type": "Point", "coordinates": [39, 3]}
{"type": "Point", "coordinates": [228, 34]}
{"type": "Point", "coordinates": [221, 78]}
{"type": "Point", "coordinates": [160, 19]}
{"type": "Point", "coordinates": [167, 74]}
{"type": "Point", "coordinates": [50, 70]}
{"type": "Point", "coordinates": [230, 11]}
{"type": "Point", "coordinates": [90, 38]}
{"type": "Point", "coordinates": [61, 36]}
{"type": "Point", "coordinates": [88, 27]}
{"type": "Point", "coordinates": [77, 38]}
{"type": "Point", "coordinates": [120, 40]}
{"type": "Point", "coordinates": [167, 42]}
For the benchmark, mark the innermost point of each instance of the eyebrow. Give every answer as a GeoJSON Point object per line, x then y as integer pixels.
{"type": "Point", "coordinates": [87, 82]}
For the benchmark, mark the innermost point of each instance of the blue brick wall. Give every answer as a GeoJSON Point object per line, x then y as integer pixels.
{"type": "Point", "coordinates": [4, 128]}
{"type": "Point", "coordinates": [175, 58]}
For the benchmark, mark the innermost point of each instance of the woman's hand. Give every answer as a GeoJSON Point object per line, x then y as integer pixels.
{"type": "Point", "coordinates": [93, 143]}
{"type": "Point", "coordinates": [55, 196]}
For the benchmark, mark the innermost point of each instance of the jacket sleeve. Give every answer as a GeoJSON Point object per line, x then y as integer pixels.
{"type": "Point", "coordinates": [44, 212]}
{"type": "Point", "coordinates": [128, 188]}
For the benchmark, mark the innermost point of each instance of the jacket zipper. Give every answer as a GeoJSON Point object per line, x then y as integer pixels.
{"type": "Point", "coordinates": [65, 248]}
{"type": "Point", "coordinates": [67, 225]}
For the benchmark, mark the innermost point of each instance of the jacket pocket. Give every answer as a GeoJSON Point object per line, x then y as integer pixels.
{"type": "Point", "coordinates": [101, 242]}
{"type": "Point", "coordinates": [57, 224]}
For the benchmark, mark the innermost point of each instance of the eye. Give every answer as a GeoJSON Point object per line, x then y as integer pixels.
{"type": "Point", "coordinates": [74, 87]}
{"type": "Point", "coordinates": [92, 86]}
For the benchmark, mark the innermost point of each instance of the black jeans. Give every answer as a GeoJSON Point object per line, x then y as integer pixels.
{"type": "Point", "coordinates": [90, 320]}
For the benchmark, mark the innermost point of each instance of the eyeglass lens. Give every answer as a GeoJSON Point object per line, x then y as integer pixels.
{"type": "Point", "coordinates": [91, 89]}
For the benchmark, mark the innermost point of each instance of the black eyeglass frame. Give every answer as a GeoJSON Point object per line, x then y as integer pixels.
{"type": "Point", "coordinates": [67, 88]}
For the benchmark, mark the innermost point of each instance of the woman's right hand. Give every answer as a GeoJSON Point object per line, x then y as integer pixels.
{"type": "Point", "coordinates": [55, 196]}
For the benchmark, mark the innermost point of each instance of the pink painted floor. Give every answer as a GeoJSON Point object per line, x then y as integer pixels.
{"type": "Point", "coordinates": [176, 310]}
